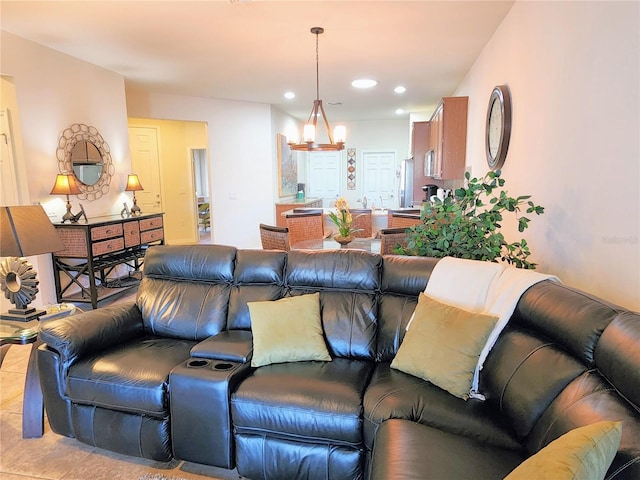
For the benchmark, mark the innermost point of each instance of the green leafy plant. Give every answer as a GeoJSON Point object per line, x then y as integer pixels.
{"type": "Point", "coordinates": [468, 225]}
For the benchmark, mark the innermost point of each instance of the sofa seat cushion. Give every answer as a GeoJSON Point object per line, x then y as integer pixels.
{"type": "Point", "coordinates": [131, 377]}
{"type": "Point", "coordinates": [406, 450]}
{"type": "Point", "coordinates": [312, 401]}
{"type": "Point", "coordinates": [394, 394]}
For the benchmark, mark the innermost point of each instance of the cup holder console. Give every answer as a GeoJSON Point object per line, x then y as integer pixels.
{"type": "Point", "coordinates": [223, 366]}
{"type": "Point", "coordinates": [200, 389]}
{"type": "Point", "coordinates": [198, 363]}
{"type": "Point", "coordinates": [202, 362]}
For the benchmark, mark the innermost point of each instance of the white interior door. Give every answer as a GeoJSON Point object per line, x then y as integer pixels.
{"type": "Point", "coordinates": [145, 162]}
{"type": "Point", "coordinates": [8, 178]}
{"type": "Point", "coordinates": [324, 177]}
{"type": "Point", "coordinates": [379, 178]}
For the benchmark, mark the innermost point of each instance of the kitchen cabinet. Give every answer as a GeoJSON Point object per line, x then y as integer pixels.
{"type": "Point", "coordinates": [448, 138]}
{"type": "Point", "coordinates": [283, 206]}
{"type": "Point", "coordinates": [95, 248]}
{"type": "Point", "coordinates": [420, 146]}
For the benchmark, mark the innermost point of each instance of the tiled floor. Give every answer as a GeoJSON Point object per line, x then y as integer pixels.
{"type": "Point", "coordinates": [55, 457]}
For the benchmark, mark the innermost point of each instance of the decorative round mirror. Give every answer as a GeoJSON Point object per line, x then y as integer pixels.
{"type": "Point", "coordinates": [83, 151]}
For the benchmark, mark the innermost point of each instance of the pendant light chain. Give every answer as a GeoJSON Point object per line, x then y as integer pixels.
{"type": "Point", "coordinates": [317, 66]}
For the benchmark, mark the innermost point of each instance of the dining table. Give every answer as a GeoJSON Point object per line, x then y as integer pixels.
{"type": "Point", "coordinates": [367, 244]}
{"type": "Point", "coordinates": [379, 219]}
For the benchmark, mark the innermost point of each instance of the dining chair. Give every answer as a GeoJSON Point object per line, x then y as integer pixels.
{"type": "Point", "coordinates": [204, 216]}
{"type": "Point", "coordinates": [274, 238]}
{"type": "Point", "coordinates": [363, 221]}
{"type": "Point", "coordinates": [403, 218]}
{"type": "Point", "coordinates": [305, 226]}
{"type": "Point", "coordinates": [390, 238]}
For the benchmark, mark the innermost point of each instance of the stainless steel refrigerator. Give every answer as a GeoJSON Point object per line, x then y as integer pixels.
{"type": "Point", "coordinates": [406, 183]}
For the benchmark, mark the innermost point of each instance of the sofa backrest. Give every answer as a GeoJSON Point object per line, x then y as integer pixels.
{"type": "Point", "coordinates": [565, 360]}
{"type": "Point", "coordinates": [185, 290]}
{"type": "Point", "coordinates": [403, 278]}
{"type": "Point", "coordinates": [348, 282]}
{"type": "Point", "coordinates": [258, 276]}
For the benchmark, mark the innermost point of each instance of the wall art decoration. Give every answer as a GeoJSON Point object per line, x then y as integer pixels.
{"type": "Point", "coordinates": [351, 168]}
{"type": "Point", "coordinates": [287, 168]}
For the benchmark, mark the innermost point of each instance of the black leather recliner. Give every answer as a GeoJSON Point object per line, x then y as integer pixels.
{"type": "Point", "coordinates": [169, 376]}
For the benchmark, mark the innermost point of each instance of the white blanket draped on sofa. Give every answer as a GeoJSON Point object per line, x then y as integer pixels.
{"type": "Point", "coordinates": [482, 287]}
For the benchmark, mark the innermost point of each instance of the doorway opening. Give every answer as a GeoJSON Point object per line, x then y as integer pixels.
{"type": "Point", "coordinates": [202, 198]}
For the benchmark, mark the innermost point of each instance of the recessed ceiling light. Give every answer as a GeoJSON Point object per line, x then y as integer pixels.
{"type": "Point", "coordinates": [399, 89]}
{"type": "Point", "coordinates": [399, 111]}
{"type": "Point", "coordinates": [289, 95]}
{"type": "Point", "coordinates": [364, 83]}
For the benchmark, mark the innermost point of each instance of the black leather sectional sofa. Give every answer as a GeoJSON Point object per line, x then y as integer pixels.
{"type": "Point", "coordinates": [170, 376]}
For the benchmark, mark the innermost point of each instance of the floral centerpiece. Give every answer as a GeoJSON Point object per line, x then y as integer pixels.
{"type": "Point", "coordinates": [344, 221]}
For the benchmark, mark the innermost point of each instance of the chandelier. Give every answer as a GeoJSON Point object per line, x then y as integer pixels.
{"type": "Point", "coordinates": [308, 143]}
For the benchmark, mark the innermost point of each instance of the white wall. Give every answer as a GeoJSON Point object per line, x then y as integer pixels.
{"type": "Point", "coordinates": [240, 146]}
{"type": "Point", "coordinates": [54, 91]}
{"type": "Point", "coordinates": [573, 70]}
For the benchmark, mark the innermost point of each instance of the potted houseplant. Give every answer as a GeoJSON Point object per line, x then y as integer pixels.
{"type": "Point", "coordinates": [343, 219]}
{"type": "Point", "coordinates": [468, 225]}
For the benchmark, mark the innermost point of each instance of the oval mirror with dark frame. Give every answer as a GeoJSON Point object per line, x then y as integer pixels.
{"type": "Point", "coordinates": [498, 127]}
{"type": "Point", "coordinates": [83, 152]}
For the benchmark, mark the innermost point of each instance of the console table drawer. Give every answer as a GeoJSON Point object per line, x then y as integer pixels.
{"type": "Point", "coordinates": [150, 223]}
{"type": "Point", "coordinates": [106, 231]}
{"type": "Point", "coordinates": [152, 235]}
{"type": "Point", "coordinates": [131, 234]}
{"type": "Point", "coordinates": [108, 246]}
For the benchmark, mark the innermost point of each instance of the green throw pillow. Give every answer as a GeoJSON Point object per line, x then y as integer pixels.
{"type": "Point", "coordinates": [287, 330]}
{"type": "Point", "coordinates": [584, 453]}
{"type": "Point", "coordinates": [443, 344]}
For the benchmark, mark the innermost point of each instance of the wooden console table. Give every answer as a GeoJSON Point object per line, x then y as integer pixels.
{"type": "Point", "coordinates": [94, 248]}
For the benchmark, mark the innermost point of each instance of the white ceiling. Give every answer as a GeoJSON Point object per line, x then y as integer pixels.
{"type": "Point", "coordinates": [257, 50]}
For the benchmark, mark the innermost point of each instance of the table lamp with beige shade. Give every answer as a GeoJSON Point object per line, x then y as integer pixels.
{"type": "Point", "coordinates": [134, 185]}
{"type": "Point", "coordinates": [66, 185]}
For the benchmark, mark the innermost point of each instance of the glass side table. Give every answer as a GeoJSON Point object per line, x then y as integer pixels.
{"type": "Point", "coordinates": [26, 333]}
{"type": "Point", "coordinates": [23, 333]}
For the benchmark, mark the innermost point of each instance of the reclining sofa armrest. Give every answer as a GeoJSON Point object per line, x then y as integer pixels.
{"type": "Point", "coordinates": [229, 345]}
{"type": "Point", "coordinates": [89, 332]}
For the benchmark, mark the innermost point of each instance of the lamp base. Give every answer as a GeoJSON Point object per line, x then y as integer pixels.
{"type": "Point", "coordinates": [22, 314]}
{"type": "Point", "coordinates": [135, 209]}
{"type": "Point", "coordinates": [72, 217]}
